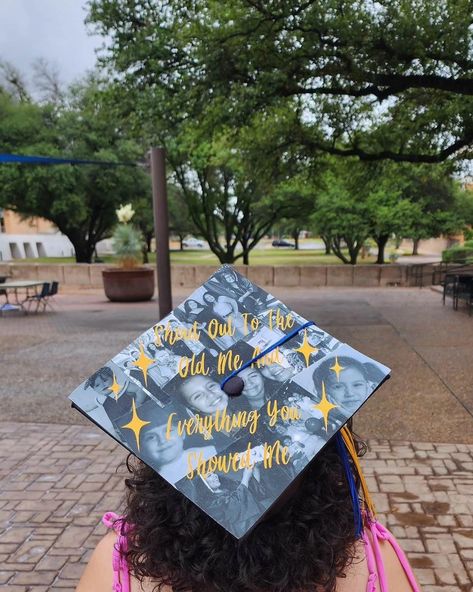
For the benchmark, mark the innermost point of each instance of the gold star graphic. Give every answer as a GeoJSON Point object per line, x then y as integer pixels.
{"type": "Point", "coordinates": [143, 363]}
{"type": "Point", "coordinates": [306, 349]}
{"type": "Point", "coordinates": [136, 424]}
{"type": "Point", "coordinates": [115, 388]}
{"type": "Point", "coordinates": [337, 368]}
{"type": "Point", "coordinates": [325, 406]}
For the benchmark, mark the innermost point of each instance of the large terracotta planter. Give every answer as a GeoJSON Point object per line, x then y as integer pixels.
{"type": "Point", "coordinates": [128, 285]}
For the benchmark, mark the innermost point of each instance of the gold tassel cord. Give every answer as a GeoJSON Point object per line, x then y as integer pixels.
{"type": "Point", "coordinates": [350, 444]}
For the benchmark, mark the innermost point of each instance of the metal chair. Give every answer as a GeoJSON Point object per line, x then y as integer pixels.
{"type": "Point", "coordinates": [40, 298]}
{"type": "Point", "coordinates": [464, 291]}
{"type": "Point", "coordinates": [49, 299]}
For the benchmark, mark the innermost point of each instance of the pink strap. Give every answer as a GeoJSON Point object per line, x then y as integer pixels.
{"type": "Point", "coordinates": [374, 556]}
{"type": "Point", "coordinates": [371, 563]}
{"type": "Point", "coordinates": [121, 575]}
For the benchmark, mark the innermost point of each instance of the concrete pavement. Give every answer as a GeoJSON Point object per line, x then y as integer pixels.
{"type": "Point", "coordinates": [429, 348]}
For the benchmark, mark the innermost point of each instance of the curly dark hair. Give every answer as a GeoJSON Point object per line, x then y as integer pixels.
{"type": "Point", "coordinates": [303, 545]}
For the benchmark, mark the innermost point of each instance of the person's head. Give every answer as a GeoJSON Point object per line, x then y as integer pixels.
{"type": "Point", "coordinates": [295, 361]}
{"type": "Point", "coordinates": [203, 395]}
{"type": "Point", "coordinates": [209, 298]}
{"type": "Point", "coordinates": [350, 388]}
{"type": "Point", "coordinates": [156, 446]}
{"type": "Point", "coordinates": [277, 372]}
{"type": "Point", "coordinates": [101, 381]}
{"type": "Point", "coordinates": [314, 337]}
{"type": "Point", "coordinates": [152, 349]}
{"type": "Point", "coordinates": [164, 356]}
{"type": "Point", "coordinates": [172, 541]}
{"type": "Point", "coordinates": [286, 440]}
{"type": "Point", "coordinates": [254, 383]}
{"type": "Point", "coordinates": [229, 276]}
{"type": "Point", "coordinates": [191, 305]}
{"type": "Point", "coordinates": [213, 481]}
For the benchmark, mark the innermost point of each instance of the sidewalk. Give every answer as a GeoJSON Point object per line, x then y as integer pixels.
{"type": "Point", "coordinates": [58, 482]}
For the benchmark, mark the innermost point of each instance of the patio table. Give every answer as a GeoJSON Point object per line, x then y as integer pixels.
{"type": "Point", "coordinates": [16, 287]}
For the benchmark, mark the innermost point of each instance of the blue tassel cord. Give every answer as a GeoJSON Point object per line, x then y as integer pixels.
{"type": "Point", "coordinates": [351, 484]}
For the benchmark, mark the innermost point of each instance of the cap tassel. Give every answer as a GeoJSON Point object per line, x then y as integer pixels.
{"type": "Point", "coordinates": [342, 450]}
{"type": "Point", "coordinates": [350, 446]}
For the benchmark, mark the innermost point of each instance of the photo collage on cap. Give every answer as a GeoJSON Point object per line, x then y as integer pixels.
{"type": "Point", "coordinates": [161, 397]}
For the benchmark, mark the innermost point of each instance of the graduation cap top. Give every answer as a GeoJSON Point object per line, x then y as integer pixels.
{"type": "Point", "coordinates": [229, 397]}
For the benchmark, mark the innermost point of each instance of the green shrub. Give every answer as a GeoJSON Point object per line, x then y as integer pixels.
{"type": "Point", "coordinates": [458, 254]}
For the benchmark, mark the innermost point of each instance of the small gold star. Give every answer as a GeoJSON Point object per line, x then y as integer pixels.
{"type": "Point", "coordinates": [306, 349]}
{"type": "Point", "coordinates": [143, 363]}
{"type": "Point", "coordinates": [324, 406]}
{"type": "Point", "coordinates": [337, 368]}
{"type": "Point", "coordinates": [115, 388]}
{"type": "Point", "coordinates": [136, 424]}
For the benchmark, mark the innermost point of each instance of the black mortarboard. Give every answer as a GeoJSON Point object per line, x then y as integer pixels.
{"type": "Point", "coordinates": [230, 397]}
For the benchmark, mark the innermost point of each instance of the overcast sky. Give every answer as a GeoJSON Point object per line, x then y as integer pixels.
{"type": "Point", "coordinates": [50, 29]}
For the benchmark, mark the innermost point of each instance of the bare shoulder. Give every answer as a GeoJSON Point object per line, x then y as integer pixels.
{"type": "Point", "coordinates": [98, 575]}
{"type": "Point", "coordinates": [358, 574]}
{"type": "Point", "coordinates": [395, 574]}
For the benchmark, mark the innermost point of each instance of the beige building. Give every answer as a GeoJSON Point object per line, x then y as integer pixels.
{"type": "Point", "coordinates": [30, 238]}
{"type": "Point", "coordinates": [12, 223]}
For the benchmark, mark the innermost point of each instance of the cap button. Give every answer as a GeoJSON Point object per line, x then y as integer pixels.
{"type": "Point", "coordinates": [234, 386]}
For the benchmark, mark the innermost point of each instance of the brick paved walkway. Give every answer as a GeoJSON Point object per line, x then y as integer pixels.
{"type": "Point", "coordinates": [57, 481]}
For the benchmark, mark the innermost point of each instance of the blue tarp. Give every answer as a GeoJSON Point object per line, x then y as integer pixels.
{"type": "Point", "coordinates": [48, 160]}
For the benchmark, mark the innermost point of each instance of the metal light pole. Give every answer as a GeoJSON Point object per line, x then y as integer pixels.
{"type": "Point", "coordinates": [161, 230]}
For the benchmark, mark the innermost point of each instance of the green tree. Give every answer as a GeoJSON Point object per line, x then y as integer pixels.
{"type": "Point", "coordinates": [381, 186]}
{"type": "Point", "coordinates": [438, 201]}
{"type": "Point", "coordinates": [79, 200]}
{"type": "Point", "coordinates": [383, 200]}
{"type": "Point", "coordinates": [391, 80]}
{"type": "Point", "coordinates": [340, 215]}
{"type": "Point", "coordinates": [299, 195]}
{"type": "Point", "coordinates": [231, 202]}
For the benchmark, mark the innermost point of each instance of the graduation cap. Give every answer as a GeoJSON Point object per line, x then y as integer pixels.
{"type": "Point", "coordinates": [231, 396]}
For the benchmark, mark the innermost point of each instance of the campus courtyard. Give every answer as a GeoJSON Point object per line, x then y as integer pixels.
{"type": "Point", "coordinates": [59, 473]}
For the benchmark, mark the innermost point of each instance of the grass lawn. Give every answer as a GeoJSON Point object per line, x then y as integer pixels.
{"type": "Point", "coordinates": [270, 256]}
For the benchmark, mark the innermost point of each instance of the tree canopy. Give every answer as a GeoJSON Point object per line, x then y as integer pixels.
{"type": "Point", "coordinates": [79, 200]}
{"type": "Point", "coordinates": [381, 200]}
{"type": "Point", "coordinates": [369, 79]}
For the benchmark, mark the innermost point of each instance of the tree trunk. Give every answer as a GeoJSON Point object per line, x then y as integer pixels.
{"type": "Point", "coordinates": [328, 246]}
{"type": "Point", "coordinates": [144, 252]}
{"type": "Point", "coordinates": [295, 236]}
{"type": "Point", "coordinates": [181, 242]}
{"type": "Point", "coordinates": [226, 257]}
{"type": "Point", "coordinates": [381, 242]}
{"type": "Point", "coordinates": [335, 244]}
{"type": "Point", "coordinates": [246, 257]}
{"type": "Point", "coordinates": [415, 246]}
{"type": "Point", "coordinates": [353, 256]}
{"type": "Point", "coordinates": [354, 248]}
{"type": "Point", "coordinates": [83, 250]}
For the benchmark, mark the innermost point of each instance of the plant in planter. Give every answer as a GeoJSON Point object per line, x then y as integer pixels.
{"type": "Point", "coordinates": [129, 282]}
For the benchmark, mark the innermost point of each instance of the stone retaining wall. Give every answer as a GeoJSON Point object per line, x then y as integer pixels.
{"type": "Point", "coordinates": [191, 276]}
